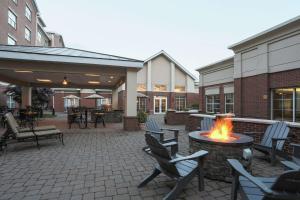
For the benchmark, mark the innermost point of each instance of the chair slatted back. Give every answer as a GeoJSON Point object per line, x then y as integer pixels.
{"type": "Point", "coordinates": [276, 130]}
{"type": "Point", "coordinates": [288, 182]}
{"type": "Point", "coordinates": [152, 125]}
{"type": "Point", "coordinates": [206, 124]}
{"type": "Point", "coordinates": [13, 125]}
{"type": "Point", "coordinates": [297, 152]}
{"type": "Point", "coordinates": [161, 154]}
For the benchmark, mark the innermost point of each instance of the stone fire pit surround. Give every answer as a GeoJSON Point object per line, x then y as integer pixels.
{"type": "Point", "coordinates": [215, 165]}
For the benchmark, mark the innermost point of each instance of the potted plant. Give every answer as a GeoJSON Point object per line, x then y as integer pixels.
{"type": "Point", "coordinates": [142, 118]}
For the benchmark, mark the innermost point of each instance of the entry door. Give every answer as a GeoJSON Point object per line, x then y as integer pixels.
{"type": "Point", "coordinates": [160, 105]}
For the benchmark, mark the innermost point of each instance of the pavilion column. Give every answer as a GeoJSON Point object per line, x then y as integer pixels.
{"type": "Point", "coordinates": [130, 119]}
{"type": "Point", "coordinates": [115, 99]}
{"type": "Point", "coordinates": [26, 97]}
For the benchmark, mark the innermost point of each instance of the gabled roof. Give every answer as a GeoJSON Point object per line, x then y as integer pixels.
{"type": "Point", "coordinates": [162, 52]}
{"type": "Point", "coordinates": [64, 54]}
{"type": "Point", "coordinates": [268, 31]}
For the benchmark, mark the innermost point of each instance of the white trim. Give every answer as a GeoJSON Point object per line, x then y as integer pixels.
{"type": "Point", "coordinates": [160, 98]}
{"type": "Point", "coordinates": [162, 52]}
{"type": "Point", "coordinates": [219, 62]}
{"type": "Point", "coordinates": [212, 91]}
{"type": "Point", "coordinates": [274, 28]}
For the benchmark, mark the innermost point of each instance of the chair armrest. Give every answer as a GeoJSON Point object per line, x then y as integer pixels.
{"type": "Point", "coordinates": [290, 165]}
{"type": "Point", "coordinates": [176, 132]}
{"type": "Point", "coordinates": [238, 167]}
{"type": "Point", "coordinates": [198, 154]}
{"type": "Point", "coordinates": [278, 139]}
{"type": "Point", "coordinates": [295, 145]}
{"type": "Point", "coordinates": [169, 144]}
{"type": "Point", "coordinates": [155, 132]}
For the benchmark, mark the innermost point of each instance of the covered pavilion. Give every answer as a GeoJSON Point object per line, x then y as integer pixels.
{"type": "Point", "coordinates": [29, 67]}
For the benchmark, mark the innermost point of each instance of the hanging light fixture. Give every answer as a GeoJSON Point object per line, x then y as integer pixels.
{"type": "Point", "coordinates": [65, 81]}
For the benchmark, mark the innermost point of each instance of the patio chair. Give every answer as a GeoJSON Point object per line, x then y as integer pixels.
{"type": "Point", "coordinates": [273, 139]}
{"type": "Point", "coordinates": [182, 169]}
{"type": "Point", "coordinates": [206, 124]}
{"type": "Point", "coordinates": [284, 187]}
{"type": "Point", "coordinates": [295, 163]}
{"type": "Point", "coordinates": [15, 125]}
{"type": "Point", "coordinates": [157, 132]}
{"type": "Point", "coordinates": [34, 134]}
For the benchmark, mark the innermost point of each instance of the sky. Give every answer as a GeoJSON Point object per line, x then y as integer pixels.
{"type": "Point", "coordinates": [193, 32]}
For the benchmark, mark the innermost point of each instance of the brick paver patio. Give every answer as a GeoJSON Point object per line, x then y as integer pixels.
{"type": "Point", "coordinates": [97, 164]}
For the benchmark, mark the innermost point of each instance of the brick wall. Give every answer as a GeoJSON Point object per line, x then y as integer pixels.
{"type": "Point", "coordinates": [241, 127]}
{"type": "Point", "coordinates": [22, 21]}
{"type": "Point", "coordinates": [176, 118]}
{"type": "Point", "coordinates": [202, 103]}
{"type": "Point", "coordinates": [289, 78]}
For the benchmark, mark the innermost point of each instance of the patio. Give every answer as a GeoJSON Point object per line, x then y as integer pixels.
{"type": "Point", "coordinates": [98, 164]}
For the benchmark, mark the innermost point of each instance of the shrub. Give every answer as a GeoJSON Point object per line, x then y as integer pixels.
{"type": "Point", "coordinates": [142, 117]}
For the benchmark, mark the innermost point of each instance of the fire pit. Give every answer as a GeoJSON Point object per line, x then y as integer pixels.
{"type": "Point", "coordinates": [221, 144]}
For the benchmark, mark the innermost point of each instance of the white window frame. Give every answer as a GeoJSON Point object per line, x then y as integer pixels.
{"type": "Point", "coordinates": [25, 34]}
{"type": "Point", "coordinates": [12, 38]}
{"type": "Point", "coordinates": [39, 37]}
{"type": "Point", "coordinates": [229, 103]}
{"type": "Point", "coordinates": [10, 21]}
{"type": "Point", "coordinates": [212, 104]}
{"type": "Point", "coordinates": [138, 104]}
{"type": "Point", "coordinates": [179, 99]}
{"type": "Point", "coordinates": [10, 102]}
{"type": "Point", "coordinates": [294, 102]}
{"type": "Point", "coordinates": [15, 1]}
{"type": "Point", "coordinates": [28, 15]}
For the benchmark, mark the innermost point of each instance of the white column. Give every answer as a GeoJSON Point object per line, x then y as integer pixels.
{"type": "Point", "coordinates": [115, 99]}
{"type": "Point", "coordinates": [172, 81]}
{"type": "Point", "coordinates": [131, 94]}
{"type": "Point", "coordinates": [149, 77]}
{"type": "Point", "coordinates": [26, 97]}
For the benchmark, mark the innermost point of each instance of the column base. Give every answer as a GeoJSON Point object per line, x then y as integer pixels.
{"type": "Point", "coordinates": [131, 124]}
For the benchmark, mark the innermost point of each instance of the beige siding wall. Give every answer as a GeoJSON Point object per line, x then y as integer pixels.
{"type": "Point", "coordinates": [284, 54]}
{"type": "Point", "coordinates": [142, 75]}
{"type": "Point", "coordinates": [223, 75]}
{"type": "Point", "coordinates": [280, 54]}
{"type": "Point", "coordinates": [190, 85]}
{"type": "Point", "coordinates": [161, 71]}
{"type": "Point", "coordinates": [180, 77]}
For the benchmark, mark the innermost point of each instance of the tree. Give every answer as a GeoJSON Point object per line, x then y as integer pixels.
{"type": "Point", "coordinates": [40, 96]}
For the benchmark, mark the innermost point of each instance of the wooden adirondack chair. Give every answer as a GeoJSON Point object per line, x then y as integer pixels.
{"type": "Point", "coordinates": [153, 128]}
{"type": "Point", "coordinates": [206, 124]}
{"type": "Point", "coordinates": [182, 169]}
{"type": "Point", "coordinates": [295, 163]}
{"type": "Point", "coordinates": [273, 139]}
{"type": "Point", "coordinates": [284, 187]}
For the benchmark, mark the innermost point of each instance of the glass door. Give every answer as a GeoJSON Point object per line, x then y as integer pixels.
{"type": "Point", "coordinates": [160, 105]}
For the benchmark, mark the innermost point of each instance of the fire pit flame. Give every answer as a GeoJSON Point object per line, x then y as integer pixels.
{"type": "Point", "coordinates": [222, 130]}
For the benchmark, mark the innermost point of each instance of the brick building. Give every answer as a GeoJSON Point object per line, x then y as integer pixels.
{"type": "Point", "coordinates": [261, 80]}
{"type": "Point", "coordinates": [21, 24]}
{"type": "Point", "coordinates": [163, 84]}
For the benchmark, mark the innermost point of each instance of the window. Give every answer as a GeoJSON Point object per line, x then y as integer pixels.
{"type": "Point", "coordinates": [39, 37]}
{"type": "Point", "coordinates": [141, 87]}
{"type": "Point", "coordinates": [12, 19]}
{"type": "Point", "coordinates": [141, 104]}
{"type": "Point", "coordinates": [284, 105]}
{"type": "Point", "coordinates": [105, 101]}
{"type": "Point", "coordinates": [10, 102]}
{"type": "Point", "coordinates": [212, 103]}
{"type": "Point", "coordinates": [229, 103]}
{"type": "Point", "coordinates": [180, 103]}
{"type": "Point", "coordinates": [11, 41]}
{"type": "Point", "coordinates": [179, 88]}
{"type": "Point", "coordinates": [27, 34]}
{"type": "Point", "coordinates": [28, 12]}
{"type": "Point", "coordinates": [160, 88]}
{"type": "Point", "coordinates": [15, 1]}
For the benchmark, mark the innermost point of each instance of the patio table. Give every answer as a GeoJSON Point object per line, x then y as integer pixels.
{"type": "Point", "coordinates": [99, 116]}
